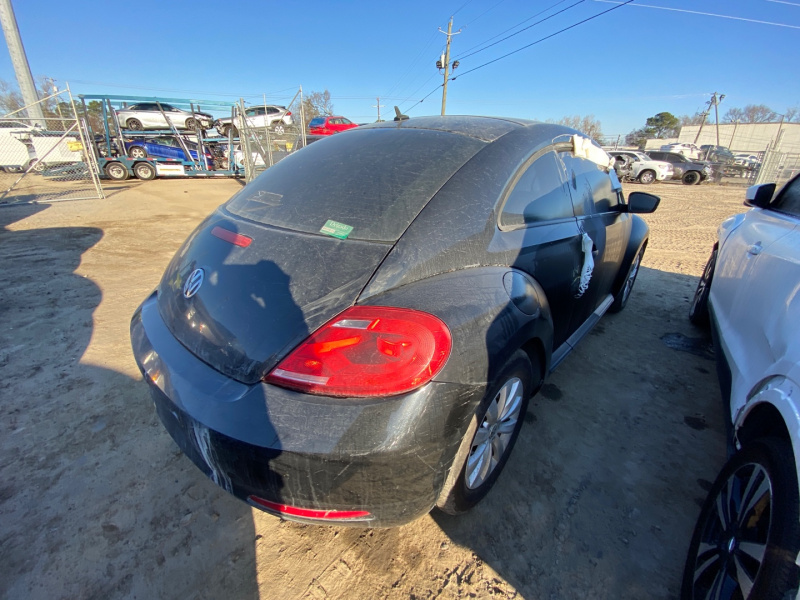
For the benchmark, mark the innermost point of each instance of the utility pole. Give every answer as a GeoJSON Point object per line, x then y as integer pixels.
{"type": "Point", "coordinates": [704, 116]}
{"type": "Point", "coordinates": [378, 106]}
{"type": "Point", "coordinates": [717, 100]}
{"type": "Point", "coordinates": [446, 64]}
{"type": "Point", "coordinates": [21, 68]}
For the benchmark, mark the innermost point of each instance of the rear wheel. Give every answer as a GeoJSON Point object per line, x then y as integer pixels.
{"type": "Point", "coordinates": [134, 124]}
{"type": "Point", "coordinates": [698, 313]}
{"type": "Point", "coordinates": [137, 152]}
{"type": "Point", "coordinates": [490, 437]}
{"type": "Point", "coordinates": [691, 178]}
{"type": "Point", "coordinates": [647, 177]}
{"type": "Point", "coordinates": [144, 171]}
{"type": "Point", "coordinates": [748, 534]}
{"type": "Point", "coordinates": [116, 171]}
{"type": "Point", "coordinates": [278, 127]}
{"type": "Point", "coordinates": [622, 297]}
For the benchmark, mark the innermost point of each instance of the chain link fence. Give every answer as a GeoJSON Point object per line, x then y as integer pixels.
{"type": "Point", "coordinates": [46, 161]}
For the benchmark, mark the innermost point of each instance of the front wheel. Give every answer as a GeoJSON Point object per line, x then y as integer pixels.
{"type": "Point", "coordinates": [647, 177]}
{"type": "Point", "coordinates": [748, 534]}
{"type": "Point", "coordinates": [137, 152]}
{"type": "Point", "coordinates": [691, 178]}
{"type": "Point", "coordinates": [698, 312]}
{"type": "Point", "coordinates": [622, 297]}
{"type": "Point", "coordinates": [490, 437]}
{"type": "Point", "coordinates": [191, 124]}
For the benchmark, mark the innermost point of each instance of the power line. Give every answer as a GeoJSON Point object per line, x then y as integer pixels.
{"type": "Point", "coordinates": [521, 30]}
{"type": "Point", "coordinates": [515, 26]}
{"type": "Point", "coordinates": [523, 48]}
{"type": "Point", "coordinates": [620, 5]}
{"type": "Point", "coordinates": [484, 13]}
{"type": "Point", "coordinates": [396, 87]}
{"type": "Point", "coordinates": [707, 14]}
{"type": "Point", "coordinates": [462, 6]}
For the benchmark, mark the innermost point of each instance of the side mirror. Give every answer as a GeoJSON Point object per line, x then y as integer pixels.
{"type": "Point", "coordinates": [642, 202]}
{"type": "Point", "coordinates": [759, 196]}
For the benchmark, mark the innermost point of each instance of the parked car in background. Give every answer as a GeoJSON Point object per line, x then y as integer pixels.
{"type": "Point", "coordinates": [277, 118]}
{"type": "Point", "coordinates": [332, 346]}
{"type": "Point", "coordinates": [748, 161]}
{"type": "Point", "coordinates": [690, 172]}
{"type": "Point", "coordinates": [747, 536]}
{"type": "Point", "coordinates": [716, 154]}
{"type": "Point", "coordinates": [639, 167]}
{"type": "Point", "coordinates": [686, 149]}
{"type": "Point", "coordinates": [165, 146]}
{"type": "Point", "coordinates": [148, 115]}
{"type": "Point", "coordinates": [329, 125]}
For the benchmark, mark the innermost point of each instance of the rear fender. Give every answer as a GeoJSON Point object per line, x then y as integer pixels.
{"type": "Point", "coordinates": [486, 324]}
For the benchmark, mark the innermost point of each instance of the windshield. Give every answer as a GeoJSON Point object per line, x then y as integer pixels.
{"type": "Point", "coordinates": [374, 181]}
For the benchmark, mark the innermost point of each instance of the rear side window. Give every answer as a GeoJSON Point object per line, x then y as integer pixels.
{"type": "Point", "coordinates": [317, 122]}
{"type": "Point", "coordinates": [375, 181]}
{"type": "Point", "coordinates": [538, 195]}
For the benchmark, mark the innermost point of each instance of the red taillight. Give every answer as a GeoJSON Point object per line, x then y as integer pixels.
{"type": "Point", "coordinates": [367, 351]}
{"type": "Point", "coordinates": [308, 513]}
{"type": "Point", "coordinates": [229, 236]}
{"type": "Point", "coordinates": [288, 113]}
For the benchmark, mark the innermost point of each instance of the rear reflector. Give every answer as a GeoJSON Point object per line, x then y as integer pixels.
{"type": "Point", "coordinates": [308, 513]}
{"type": "Point", "coordinates": [367, 351]}
{"type": "Point", "coordinates": [229, 236]}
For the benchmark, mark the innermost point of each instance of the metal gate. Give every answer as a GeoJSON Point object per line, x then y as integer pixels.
{"type": "Point", "coordinates": [50, 161]}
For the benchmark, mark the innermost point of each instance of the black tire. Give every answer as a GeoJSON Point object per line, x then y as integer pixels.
{"type": "Point", "coordinates": [698, 311]}
{"type": "Point", "coordinates": [144, 171]}
{"type": "Point", "coordinates": [647, 177]}
{"type": "Point", "coordinates": [116, 171]}
{"type": "Point", "coordinates": [762, 478]}
{"type": "Point", "coordinates": [278, 128]}
{"type": "Point", "coordinates": [191, 123]}
{"type": "Point", "coordinates": [134, 125]}
{"type": "Point", "coordinates": [137, 152]}
{"type": "Point", "coordinates": [624, 293]}
{"type": "Point", "coordinates": [691, 178]}
{"type": "Point", "coordinates": [459, 493]}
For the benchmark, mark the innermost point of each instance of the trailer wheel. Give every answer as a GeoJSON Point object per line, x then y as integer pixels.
{"type": "Point", "coordinates": [116, 171]}
{"type": "Point", "coordinates": [144, 171]}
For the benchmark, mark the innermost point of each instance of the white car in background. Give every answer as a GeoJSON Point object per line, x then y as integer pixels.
{"type": "Point", "coordinates": [637, 166]}
{"type": "Point", "coordinates": [747, 538]}
{"type": "Point", "coordinates": [686, 149]}
{"type": "Point", "coordinates": [277, 118]}
{"type": "Point", "coordinates": [149, 115]}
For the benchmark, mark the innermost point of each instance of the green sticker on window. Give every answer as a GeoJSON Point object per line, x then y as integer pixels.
{"type": "Point", "coordinates": [336, 229]}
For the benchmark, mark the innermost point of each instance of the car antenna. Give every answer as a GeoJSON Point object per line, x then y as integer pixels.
{"type": "Point", "coordinates": [398, 115]}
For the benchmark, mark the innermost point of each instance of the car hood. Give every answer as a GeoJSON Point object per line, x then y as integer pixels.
{"type": "Point", "coordinates": [257, 302]}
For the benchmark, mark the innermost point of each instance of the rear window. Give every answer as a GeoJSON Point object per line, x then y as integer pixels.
{"type": "Point", "coordinates": [375, 181]}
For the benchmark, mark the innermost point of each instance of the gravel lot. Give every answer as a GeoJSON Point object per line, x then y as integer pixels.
{"type": "Point", "coordinates": [598, 500]}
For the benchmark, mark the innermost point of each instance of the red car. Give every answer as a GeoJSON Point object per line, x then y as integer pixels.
{"type": "Point", "coordinates": [329, 125]}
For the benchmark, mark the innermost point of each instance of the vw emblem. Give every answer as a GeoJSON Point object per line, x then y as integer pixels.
{"type": "Point", "coordinates": [193, 283]}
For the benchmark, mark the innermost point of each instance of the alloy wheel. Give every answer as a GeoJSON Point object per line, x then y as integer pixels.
{"type": "Point", "coordinates": [492, 438]}
{"type": "Point", "coordinates": [631, 278]}
{"type": "Point", "coordinates": [734, 537]}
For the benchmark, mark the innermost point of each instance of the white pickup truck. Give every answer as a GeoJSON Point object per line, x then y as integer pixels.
{"type": "Point", "coordinates": [637, 166]}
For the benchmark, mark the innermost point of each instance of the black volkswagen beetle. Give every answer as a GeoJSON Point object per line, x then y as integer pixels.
{"type": "Point", "coordinates": [355, 335]}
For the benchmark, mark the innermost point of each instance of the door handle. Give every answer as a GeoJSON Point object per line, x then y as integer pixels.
{"type": "Point", "coordinates": [755, 249]}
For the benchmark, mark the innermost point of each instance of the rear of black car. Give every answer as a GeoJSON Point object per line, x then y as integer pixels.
{"type": "Point", "coordinates": [265, 271]}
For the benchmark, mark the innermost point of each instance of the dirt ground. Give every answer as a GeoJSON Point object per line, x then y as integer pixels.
{"type": "Point", "coordinates": [96, 501]}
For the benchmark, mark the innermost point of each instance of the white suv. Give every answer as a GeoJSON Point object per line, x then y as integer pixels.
{"type": "Point", "coordinates": [276, 118]}
{"type": "Point", "coordinates": [686, 149]}
{"type": "Point", "coordinates": [747, 538]}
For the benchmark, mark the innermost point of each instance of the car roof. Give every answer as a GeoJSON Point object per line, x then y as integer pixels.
{"type": "Point", "coordinates": [483, 128]}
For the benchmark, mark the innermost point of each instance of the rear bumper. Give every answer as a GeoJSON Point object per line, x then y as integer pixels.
{"type": "Point", "coordinates": [388, 457]}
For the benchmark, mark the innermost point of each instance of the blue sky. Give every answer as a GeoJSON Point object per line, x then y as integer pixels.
{"type": "Point", "coordinates": [621, 67]}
